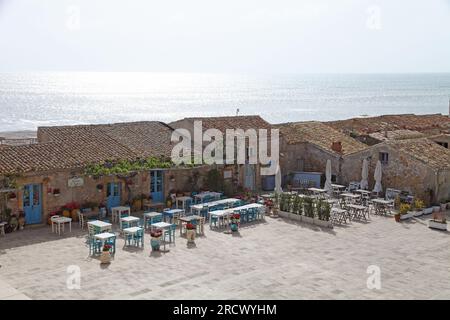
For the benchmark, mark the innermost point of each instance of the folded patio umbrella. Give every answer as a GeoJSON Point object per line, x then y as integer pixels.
{"type": "Point", "coordinates": [328, 185]}
{"type": "Point", "coordinates": [377, 176]}
{"type": "Point", "coordinates": [278, 188]}
{"type": "Point", "coordinates": [365, 175]}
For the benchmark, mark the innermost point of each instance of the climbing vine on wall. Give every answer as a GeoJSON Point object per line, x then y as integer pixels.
{"type": "Point", "coordinates": [125, 167]}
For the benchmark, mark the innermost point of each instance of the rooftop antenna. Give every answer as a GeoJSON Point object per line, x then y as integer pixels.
{"type": "Point", "coordinates": [237, 110]}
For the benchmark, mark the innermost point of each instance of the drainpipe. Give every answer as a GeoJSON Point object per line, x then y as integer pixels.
{"type": "Point", "coordinates": [436, 185]}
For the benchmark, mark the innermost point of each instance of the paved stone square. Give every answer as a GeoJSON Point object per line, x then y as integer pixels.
{"type": "Point", "coordinates": [275, 259]}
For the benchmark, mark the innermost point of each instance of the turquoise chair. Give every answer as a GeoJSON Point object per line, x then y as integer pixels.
{"type": "Point", "coordinates": [244, 215]}
{"type": "Point", "coordinates": [138, 238]}
{"type": "Point", "coordinates": [170, 233]}
{"type": "Point", "coordinates": [252, 214]}
{"type": "Point", "coordinates": [112, 243]}
{"type": "Point", "coordinates": [95, 246]}
{"type": "Point", "coordinates": [214, 220]}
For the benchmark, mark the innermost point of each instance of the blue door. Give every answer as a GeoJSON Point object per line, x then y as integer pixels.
{"type": "Point", "coordinates": [32, 203]}
{"type": "Point", "coordinates": [156, 185]}
{"type": "Point", "coordinates": [113, 195]}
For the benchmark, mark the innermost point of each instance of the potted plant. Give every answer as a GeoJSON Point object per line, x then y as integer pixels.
{"type": "Point", "coordinates": [105, 257]}
{"type": "Point", "coordinates": [21, 220]}
{"type": "Point", "coordinates": [155, 241]}
{"type": "Point", "coordinates": [418, 207]}
{"type": "Point", "coordinates": [309, 209]}
{"type": "Point", "coordinates": [405, 211]}
{"type": "Point", "coordinates": [234, 223]}
{"type": "Point", "coordinates": [190, 232]}
{"type": "Point", "coordinates": [56, 192]}
{"type": "Point", "coordinates": [438, 222]}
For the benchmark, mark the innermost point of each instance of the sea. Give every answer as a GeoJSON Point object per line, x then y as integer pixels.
{"type": "Point", "coordinates": [30, 100]}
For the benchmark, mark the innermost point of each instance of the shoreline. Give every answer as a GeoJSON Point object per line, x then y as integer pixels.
{"type": "Point", "coordinates": [19, 134]}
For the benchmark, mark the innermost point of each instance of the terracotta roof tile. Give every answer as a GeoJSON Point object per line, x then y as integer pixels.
{"type": "Point", "coordinates": [233, 122]}
{"type": "Point", "coordinates": [75, 146]}
{"type": "Point", "coordinates": [397, 135]}
{"type": "Point", "coordinates": [424, 150]}
{"type": "Point", "coordinates": [319, 134]}
{"type": "Point", "coordinates": [430, 123]}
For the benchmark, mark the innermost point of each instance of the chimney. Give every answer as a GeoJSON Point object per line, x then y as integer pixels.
{"type": "Point", "coordinates": [337, 146]}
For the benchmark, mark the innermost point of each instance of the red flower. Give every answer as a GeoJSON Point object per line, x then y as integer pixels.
{"type": "Point", "coordinates": [190, 226]}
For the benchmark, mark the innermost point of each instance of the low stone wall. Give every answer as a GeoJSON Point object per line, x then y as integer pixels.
{"type": "Point", "coordinates": [305, 219]}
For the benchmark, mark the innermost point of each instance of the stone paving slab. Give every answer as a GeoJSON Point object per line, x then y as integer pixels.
{"type": "Point", "coordinates": [275, 259]}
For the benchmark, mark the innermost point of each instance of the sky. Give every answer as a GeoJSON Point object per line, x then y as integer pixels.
{"type": "Point", "coordinates": [232, 36]}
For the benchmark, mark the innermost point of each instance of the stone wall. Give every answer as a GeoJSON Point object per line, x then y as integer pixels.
{"type": "Point", "coordinates": [309, 158]}
{"type": "Point", "coordinates": [401, 172]}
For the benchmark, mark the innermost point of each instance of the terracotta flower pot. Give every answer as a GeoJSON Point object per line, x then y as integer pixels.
{"type": "Point", "coordinates": [66, 213]}
{"type": "Point", "coordinates": [397, 217]}
{"type": "Point", "coordinates": [190, 235]}
{"type": "Point", "coordinates": [105, 257]}
{"type": "Point", "coordinates": [74, 215]}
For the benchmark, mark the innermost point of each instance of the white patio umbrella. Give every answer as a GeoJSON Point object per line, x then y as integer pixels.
{"type": "Point", "coordinates": [278, 188]}
{"type": "Point", "coordinates": [365, 175]}
{"type": "Point", "coordinates": [328, 185]}
{"type": "Point", "coordinates": [377, 176]}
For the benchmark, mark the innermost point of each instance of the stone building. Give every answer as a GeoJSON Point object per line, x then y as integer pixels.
{"type": "Point", "coordinates": [306, 147]}
{"type": "Point", "coordinates": [418, 166]}
{"type": "Point", "coordinates": [245, 175]}
{"type": "Point", "coordinates": [51, 173]}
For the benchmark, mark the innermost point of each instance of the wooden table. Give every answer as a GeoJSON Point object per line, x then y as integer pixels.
{"type": "Point", "coordinates": [162, 225]}
{"type": "Point", "coordinates": [62, 221]}
{"type": "Point", "coordinates": [153, 206]}
{"type": "Point", "coordinates": [151, 216]}
{"type": "Point", "coordinates": [381, 206]}
{"type": "Point", "coordinates": [359, 211]}
{"type": "Point", "coordinates": [189, 219]}
{"type": "Point", "coordinates": [200, 207]}
{"type": "Point", "coordinates": [117, 212]}
{"type": "Point", "coordinates": [183, 201]}
{"type": "Point", "coordinates": [340, 213]}
{"type": "Point", "coordinates": [170, 213]}
{"type": "Point", "coordinates": [101, 225]}
{"type": "Point", "coordinates": [201, 196]}
{"type": "Point", "coordinates": [105, 236]}
{"type": "Point", "coordinates": [132, 231]}
{"type": "Point", "coordinates": [130, 220]}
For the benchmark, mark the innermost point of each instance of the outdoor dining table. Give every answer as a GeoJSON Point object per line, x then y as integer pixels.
{"type": "Point", "coordinates": [101, 225]}
{"type": "Point", "coordinates": [171, 212]}
{"type": "Point", "coordinates": [62, 221]}
{"type": "Point", "coordinates": [381, 206]}
{"type": "Point", "coordinates": [339, 215]}
{"type": "Point", "coordinates": [359, 211]}
{"type": "Point", "coordinates": [117, 212]}
{"type": "Point", "coordinates": [104, 236]}
{"type": "Point", "coordinates": [221, 216]}
{"type": "Point", "coordinates": [362, 191]}
{"type": "Point", "coordinates": [338, 186]}
{"type": "Point", "coordinates": [183, 201]}
{"type": "Point", "coordinates": [199, 207]}
{"type": "Point", "coordinates": [130, 220]}
{"type": "Point", "coordinates": [150, 216]}
{"type": "Point", "coordinates": [201, 196]}
{"type": "Point", "coordinates": [162, 225]}
{"type": "Point", "coordinates": [131, 231]}
{"type": "Point", "coordinates": [189, 219]}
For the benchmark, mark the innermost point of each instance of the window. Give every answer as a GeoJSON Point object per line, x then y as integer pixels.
{"type": "Point", "coordinates": [384, 157]}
